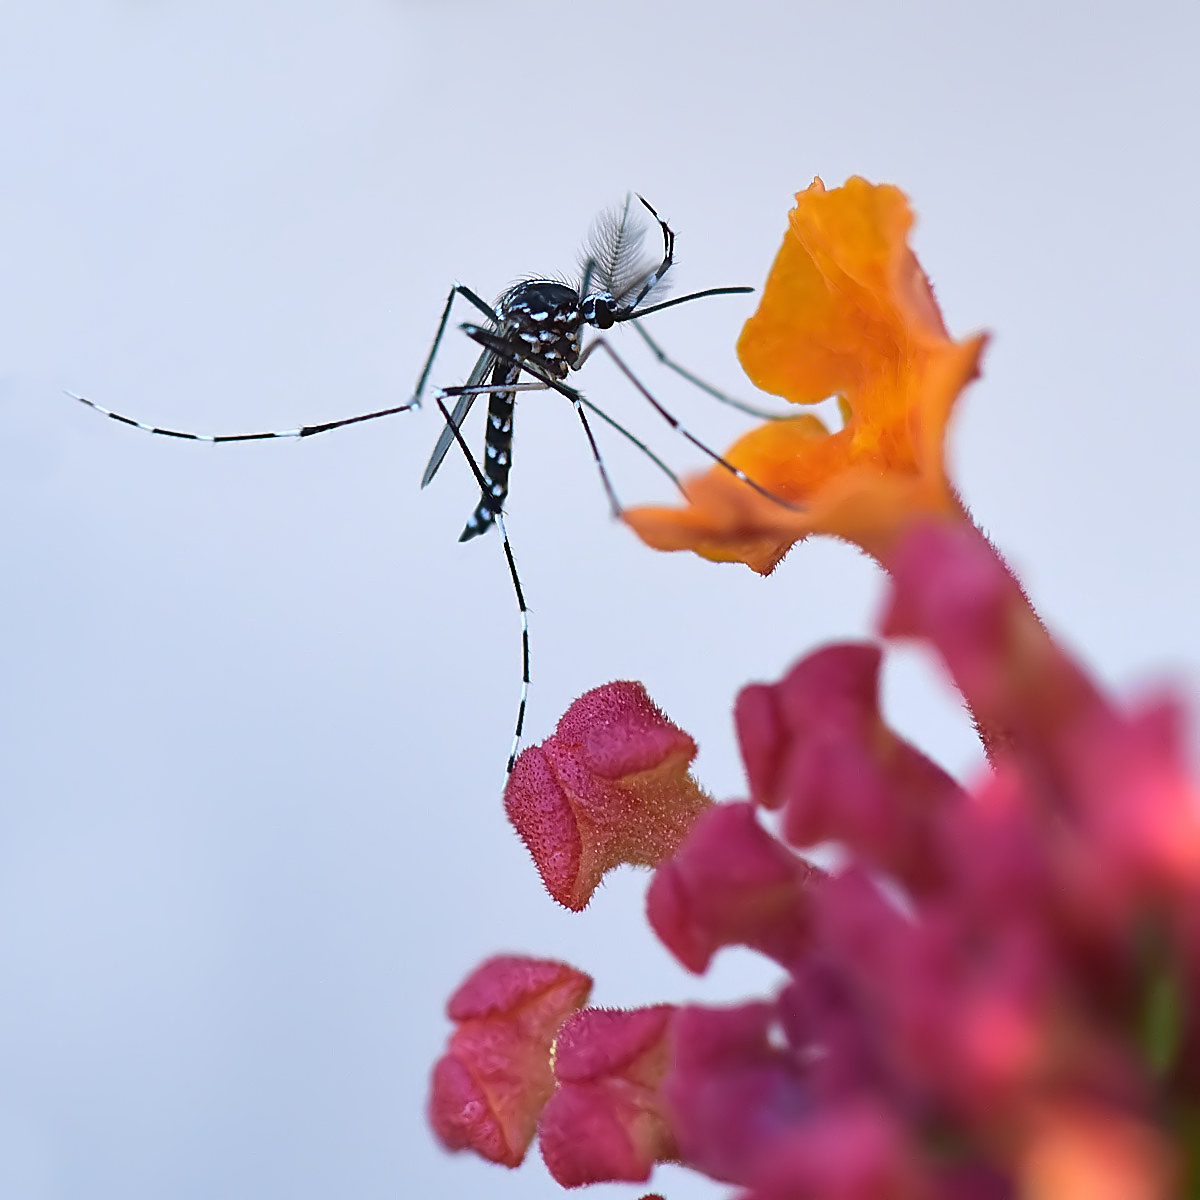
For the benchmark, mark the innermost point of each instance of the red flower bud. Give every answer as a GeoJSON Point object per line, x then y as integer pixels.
{"type": "Point", "coordinates": [953, 590]}
{"type": "Point", "coordinates": [733, 1090]}
{"type": "Point", "coordinates": [611, 786]}
{"type": "Point", "coordinates": [816, 744]}
{"type": "Point", "coordinates": [606, 1120]}
{"type": "Point", "coordinates": [731, 883]}
{"type": "Point", "coordinates": [489, 1089]}
{"type": "Point", "coordinates": [853, 1151]}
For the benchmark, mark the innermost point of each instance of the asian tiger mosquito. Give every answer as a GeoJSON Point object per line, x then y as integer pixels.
{"type": "Point", "coordinates": [536, 327]}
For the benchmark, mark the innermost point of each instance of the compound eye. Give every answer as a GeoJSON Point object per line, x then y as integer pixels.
{"type": "Point", "coordinates": [601, 313]}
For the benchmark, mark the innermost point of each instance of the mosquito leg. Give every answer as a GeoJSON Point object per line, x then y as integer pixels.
{"type": "Point", "coordinates": [631, 309]}
{"type": "Point", "coordinates": [457, 290]}
{"type": "Point", "coordinates": [591, 406]}
{"type": "Point", "coordinates": [325, 426]}
{"type": "Point", "coordinates": [503, 350]}
{"type": "Point", "coordinates": [302, 432]}
{"type": "Point", "coordinates": [523, 608]}
{"type": "Point", "coordinates": [636, 441]}
{"type": "Point", "coordinates": [737, 472]}
{"type": "Point", "coordinates": [498, 438]}
{"type": "Point", "coordinates": [577, 400]}
{"type": "Point", "coordinates": [486, 389]}
{"type": "Point", "coordinates": [655, 277]}
{"type": "Point", "coordinates": [708, 388]}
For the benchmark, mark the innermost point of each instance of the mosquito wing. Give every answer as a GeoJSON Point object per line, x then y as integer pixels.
{"type": "Point", "coordinates": [463, 406]}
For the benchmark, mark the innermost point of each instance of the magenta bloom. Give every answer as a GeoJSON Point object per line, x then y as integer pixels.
{"type": "Point", "coordinates": [992, 995]}
{"type": "Point", "coordinates": [606, 1120]}
{"type": "Point", "coordinates": [731, 883]}
{"type": "Point", "coordinates": [611, 786]}
{"type": "Point", "coordinates": [490, 1087]}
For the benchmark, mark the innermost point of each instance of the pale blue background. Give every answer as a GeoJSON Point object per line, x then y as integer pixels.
{"type": "Point", "coordinates": [256, 699]}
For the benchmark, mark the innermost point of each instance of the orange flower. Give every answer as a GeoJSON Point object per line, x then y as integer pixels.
{"type": "Point", "coordinates": [846, 312]}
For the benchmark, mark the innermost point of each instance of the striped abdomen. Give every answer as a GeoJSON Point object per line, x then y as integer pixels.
{"type": "Point", "coordinates": [497, 453]}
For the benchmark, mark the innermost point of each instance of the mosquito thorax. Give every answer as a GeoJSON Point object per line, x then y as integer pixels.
{"type": "Point", "coordinates": [598, 310]}
{"type": "Point", "coordinates": [544, 317]}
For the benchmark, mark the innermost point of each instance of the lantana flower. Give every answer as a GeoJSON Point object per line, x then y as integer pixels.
{"type": "Point", "coordinates": [994, 991]}
{"type": "Point", "coordinates": [846, 312]}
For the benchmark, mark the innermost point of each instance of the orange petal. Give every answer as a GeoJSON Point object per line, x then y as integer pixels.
{"type": "Point", "coordinates": [847, 312]}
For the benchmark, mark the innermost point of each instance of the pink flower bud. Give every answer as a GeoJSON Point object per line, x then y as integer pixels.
{"type": "Point", "coordinates": [731, 883]}
{"type": "Point", "coordinates": [953, 590]}
{"type": "Point", "coordinates": [610, 786]}
{"type": "Point", "coordinates": [733, 1089]}
{"type": "Point", "coordinates": [606, 1120]}
{"type": "Point", "coordinates": [853, 1151]}
{"type": "Point", "coordinates": [816, 744]}
{"type": "Point", "coordinates": [489, 1089]}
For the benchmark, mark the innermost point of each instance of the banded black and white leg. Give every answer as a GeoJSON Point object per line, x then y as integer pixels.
{"type": "Point", "coordinates": [488, 311]}
{"type": "Point", "coordinates": [304, 431]}
{"type": "Point", "coordinates": [523, 608]}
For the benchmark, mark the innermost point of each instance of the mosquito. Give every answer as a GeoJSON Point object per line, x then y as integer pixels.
{"type": "Point", "coordinates": [536, 329]}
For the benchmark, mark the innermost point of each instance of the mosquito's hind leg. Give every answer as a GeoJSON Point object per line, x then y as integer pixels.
{"type": "Point", "coordinates": [522, 607]}
{"type": "Point", "coordinates": [301, 432]}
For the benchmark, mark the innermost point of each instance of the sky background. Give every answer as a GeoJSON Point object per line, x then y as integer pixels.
{"type": "Point", "coordinates": [256, 700]}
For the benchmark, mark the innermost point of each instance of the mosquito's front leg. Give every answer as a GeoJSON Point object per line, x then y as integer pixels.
{"type": "Point", "coordinates": [457, 290]}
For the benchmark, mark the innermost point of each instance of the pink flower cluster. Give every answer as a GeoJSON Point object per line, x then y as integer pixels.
{"type": "Point", "coordinates": [992, 995]}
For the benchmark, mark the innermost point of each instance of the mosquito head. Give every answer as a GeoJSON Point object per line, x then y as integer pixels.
{"type": "Point", "coordinates": [599, 309]}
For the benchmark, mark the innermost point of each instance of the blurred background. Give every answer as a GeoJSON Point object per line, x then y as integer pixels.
{"type": "Point", "coordinates": [256, 699]}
